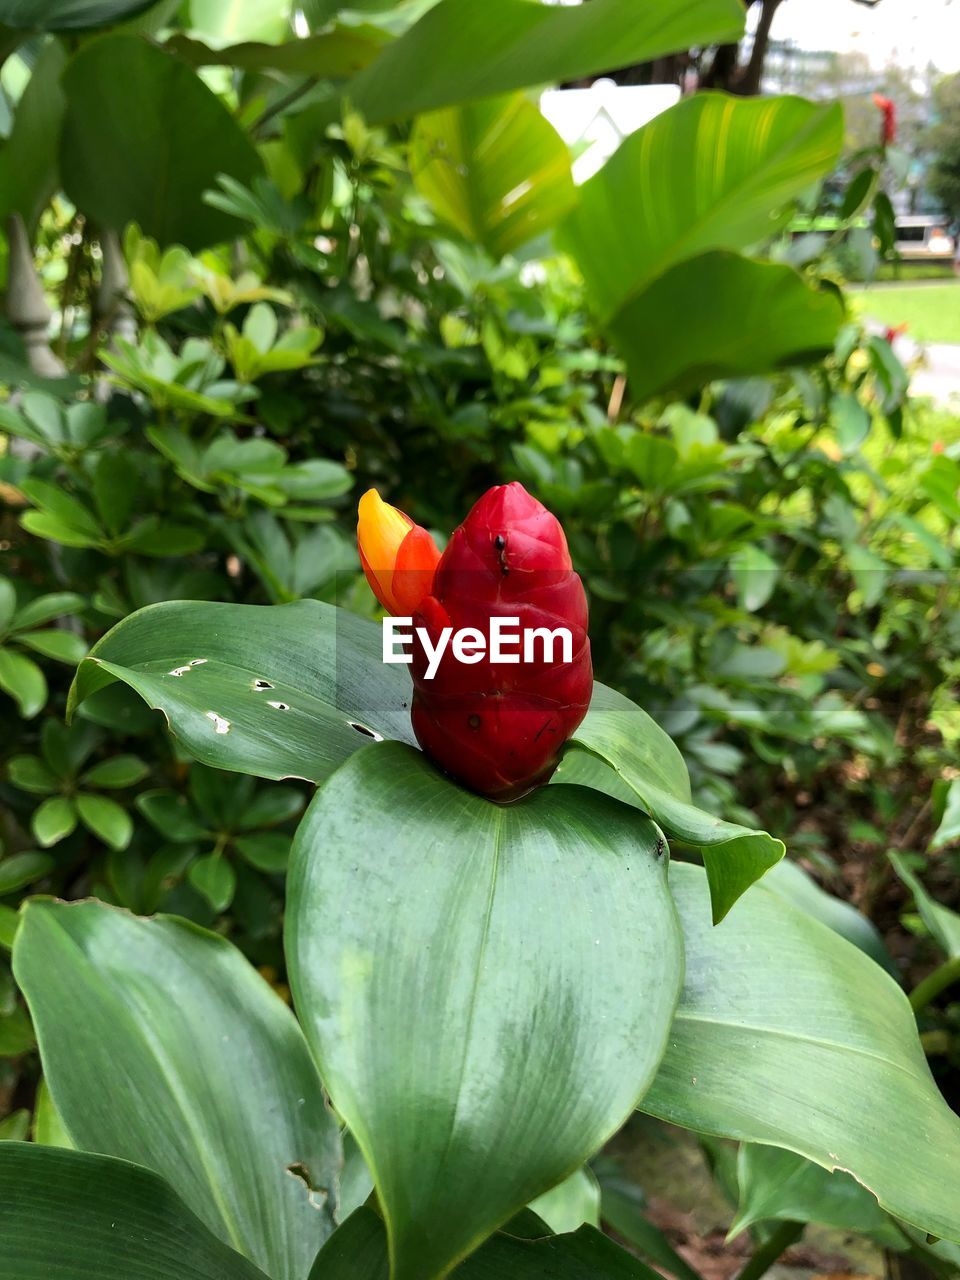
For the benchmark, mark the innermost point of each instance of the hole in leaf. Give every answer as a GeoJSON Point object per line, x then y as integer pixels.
{"type": "Point", "coordinates": [362, 728]}
{"type": "Point", "coordinates": [280, 706]}
{"type": "Point", "coordinates": [262, 684]}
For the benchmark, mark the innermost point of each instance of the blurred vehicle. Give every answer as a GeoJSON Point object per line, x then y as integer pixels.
{"type": "Point", "coordinates": [924, 236]}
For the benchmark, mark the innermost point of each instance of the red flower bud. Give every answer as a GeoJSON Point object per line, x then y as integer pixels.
{"type": "Point", "coordinates": [498, 726]}
{"type": "Point", "coordinates": [888, 109]}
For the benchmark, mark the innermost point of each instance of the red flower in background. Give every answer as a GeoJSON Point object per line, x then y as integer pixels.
{"type": "Point", "coordinates": [888, 108]}
{"type": "Point", "coordinates": [498, 727]}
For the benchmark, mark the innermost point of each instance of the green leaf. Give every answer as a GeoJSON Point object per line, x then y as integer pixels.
{"type": "Point", "coordinates": [69, 1215]}
{"type": "Point", "coordinates": [269, 806]}
{"type": "Point", "coordinates": [713, 172]}
{"type": "Point", "coordinates": [790, 882]}
{"type": "Point", "coordinates": [21, 869]}
{"type": "Point", "coordinates": [321, 666]}
{"type": "Point", "coordinates": [570, 1203]}
{"type": "Point", "coordinates": [58, 604]}
{"type": "Point", "coordinates": [48, 1126]}
{"type": "Point", "coordinates": [44, 525]}
{"type": "Point", "coordinates": [622, 1207]}
{"type": "Point", "coordinates": [789, 1036]}
{"type": "Point", "coordinates": [171, 815]}
{"type": "Point", "coordinates": [105, 818]}
{"type": "Point", "coordinates": [754, 575]}
{"type": "Point", "coordinates": [53, 821]}
{"type": "Point", "coordinates": [948, 830]}
{"type": "Point", "coordinates": [148, 158]}
{"type": "Point", "coordinates": [219, 1093]}
{"type": "Point", "coordinates": [15, 1126]}
{"type": "Point", "coordinates": [631, 758]}
{"type": "Point", "coordinates": [29, 773]}
{"type": "Point", "coordinates": [120, 771]}
{"type": "Point", "coordinates": [358, 1251]}
{"type": "Point", "coordinates": [781, 1186]}
{"type": "Point", "coordinates": [9, 920]}
{"type": "Point", "coordinates": [458, 53]}
{"type": "Point", "coordinates": [332, 56]}
{"type": "Point", "coordinates": [16, 1034]}
{"type": "Point", "coordinates": [55, 501]}
{"type": "Point", "coordinates": [28, 160]}
{"type": "Point", "coordinates": [497, 170]}
{"type": "Point", "coordinates": [543, 1028]}
{"type": "Point", "coordinates": [224, 22]}
{"type": "Point", "coordinates": [64, 646]}
{"type": "Point", "coordinates": [214, 877]}
{"type": "Point", "coordinates": [266, 850]}
{"type": "Point", "coordinates": [8, 603]}
{"type": "Point", "coordinates": [762, 316]}
{"type": "Point", "coordinates": [24, 681]}
{"type": "Point", "coordinates": [851, 419]}
{"type": "Point", "coordinates": [943, 923]}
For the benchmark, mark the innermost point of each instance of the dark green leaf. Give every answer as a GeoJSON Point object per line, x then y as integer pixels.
{"type": "Point", "coordinates": [544, 1027]}
{"type": "Point", "coordinates": [120, 771]}
{"type": "Point", "coordinates": [21, 869]}
{"type": "Point", "coordinates": [64, 646]}
{"type": "Point", "coordinates": [148, 157]}
{"type": "Point", "coordinates": [214, 877]}
{"type": "Point", "coordinates": [29, 773]}
{"type": "Point", "coordinates": [218, 1090]}
{"type": "Point", "coordinates": [28, 159]}
{"type": "Point", "coordinates": [53, 821]}
{"type": "Point", "coordinates": [71, 1216]}
{"type": "Point", "coordinates": [105, 818]}
{"type": "Point", "coordinates": [332, 56]}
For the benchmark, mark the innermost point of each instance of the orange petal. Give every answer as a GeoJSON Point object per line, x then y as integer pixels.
{"type": "Point", "coordinates": [398, 556]}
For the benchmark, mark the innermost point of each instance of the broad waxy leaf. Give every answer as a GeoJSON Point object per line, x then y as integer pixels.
{"type": "Point", "coordinates": [358, 1251]}
{"type": "Point", "coordinates": [777, 1185]}
{"type": "Point", "coordinates": [497, 170]}
{"type": "Point", "coordinates": [211, 1083]}
{"type": "Point", "coordinates": [720, 315]}
{"type": "Point", "coordinates": [457, 53]}
{"type": "Point", "coordinates": [713, 172]}
{"type": "Point", "coordinates": [74, 1216]}
{"type": "Point", "coordinates": [786, 1034]}
{"type": "Point", "coordinates": [320, 667]}
{"type": "Point", "coordinates": [148, 157]}
{"type": "Point", "coordinates": [479, 1048]}
{"type": "Point", "coordinates": [627, 755]}
{"type": "Point", "coordinates": [28, 159]}
{"type": "Point", "coordinates": [338, 54]}
{"type": "Point", "coordinates": [324, 666]}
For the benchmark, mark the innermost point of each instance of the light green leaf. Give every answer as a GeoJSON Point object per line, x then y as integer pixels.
{"type": "Point", "coordinates": [64, 646]}
{"type": "Point", "coordinates": [943, 923]}
{"type": "Point", "coordinates": [789, 1036]}
{"type": "Point", "coordinates": [497, 170]}
{"type": "Point", "coordinates": [762, 316]}
{"type": "Point", "coordinates": [225, 22]}
{"type": "Point", "coordinates": [781, 1186]}
{"type": "Point", "coordinates": [15, 1126]}
{"type": "Point", "coordinates": [320, 668]}
{"type": "Point", "coordinates": [8, 603]}
{"type": "Point", "coordinates": [53, 821]}
{"type": "Point", "coordinates": [544, 1027]}
{"type": "Point", "coordinates": [29, 773]}
{"type": "Point", "coordinates": [570, 1203]}
{"type": "Point", "coordinates": [713, 172]}
{"type": "Point", "coordinates": [48, 1127]}
{"type": "Point", "coordinates": [105, 818]}
{"type": "Point", "coordinates": [9, 920]}
{"type": "Point", "coordinates": [218, 1090]}
{"type": "Point", "coordinates": [148, 157]}
{"type": "Point", "coordinates": [948, 830]}
{"type": "Point", "coordinates": [24, 681]}
{"type": "Point", "coordinates": [69, 1215]}
{"type": "Point", "coordinates": [459, 53]}
{"type": "Point", "coordinates": [790, 882]}
{"type": "Point", "coordinates": [755, 575]}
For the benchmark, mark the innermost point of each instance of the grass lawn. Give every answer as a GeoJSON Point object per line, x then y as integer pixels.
{"type": "Point", "coordinates": [932, 311]}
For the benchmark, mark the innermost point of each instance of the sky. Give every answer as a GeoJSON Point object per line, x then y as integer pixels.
{"type": "Point", "coordinates": [910, 33]}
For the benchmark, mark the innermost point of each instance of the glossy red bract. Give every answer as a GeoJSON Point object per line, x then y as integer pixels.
{"type": "Point", "coordinates": [499, 727]}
